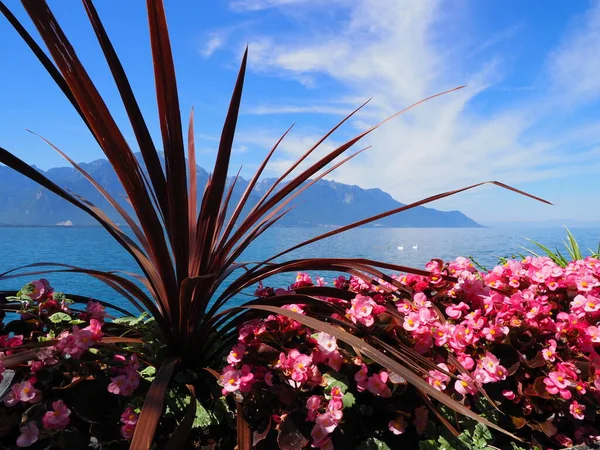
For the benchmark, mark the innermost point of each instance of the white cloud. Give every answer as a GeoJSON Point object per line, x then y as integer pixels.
{"type": "Point", "coordinates": [257, 5]}
{"type": "Point", "coordinates": [395, 51]}
{"type": "Point", "coordinates": [215, 42]}
{"type": "Point", "coordinates": [575, 66]}
{"type": "Point", "coordinates": [260, 110]}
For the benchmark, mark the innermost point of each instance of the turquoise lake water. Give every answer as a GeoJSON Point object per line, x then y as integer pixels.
{"type": "Point", "coordinates": [94, 248]}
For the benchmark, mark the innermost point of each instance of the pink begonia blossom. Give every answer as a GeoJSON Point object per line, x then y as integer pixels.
{"type": "Point", "coordinates": [236, 354]}
{"type": "Point", "coordinates": [558, 383]}
{"type": "Point", "coordinates": [95, 328]}
{"type": "Point", "coordinates": [438, 379]}
{"type": "Point", "coordinates": [510, 395]}
{"type": "Point", "coordinates": [23, 392]}
{"type": "Point", "coordinates": [58, 418]}
{"type": "Point", "coordinates": [41, 289]}
{"type": "Point", "coordinates": [465, 385]}
{"type": "Point", "coordinates": [129, 420]}
{"type": "Point", "coordinates": [398, 425]}
{"type": "Point", "coordinates": [456, 311]}
{"type": "Point", "coordinates": [362, 310]}
{"type": "Point", "coordinates": [95, 311]}
{"type": "Point", "coordinates": [362, 377]}
{"type": "Point", "coordinates": [489, 370]}
{"type": "Point", "coordinates": [549, 353]}
{"type": "Point", "coordinates": [302, 280]}
{"type": "Point", "coordinates": [294, 308]}
{"type": "Point", "coordinates": [594, 334]}
{"type": "Point", "coordinates": [376, 384]}
{"type": "Point", "coordinates": [326, 342]}
{"type": "Point", "coordinates": [29, 434]}
{"type": "Point", "coordinates": [577, 410]}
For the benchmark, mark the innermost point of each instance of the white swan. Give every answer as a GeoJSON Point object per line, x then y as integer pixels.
{"type": "Point", "coordinates": [400, 247]}
{"type": "Point", "coordinates": [415, 247]}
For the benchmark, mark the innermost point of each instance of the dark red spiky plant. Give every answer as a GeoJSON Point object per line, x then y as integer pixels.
{"type": "Point", "coordinates": [184, 252]}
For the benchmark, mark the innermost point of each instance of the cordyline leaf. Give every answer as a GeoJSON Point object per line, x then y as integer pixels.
{"type": "Point", "coordinates": [385, 361]}
{"type": "Point", "coordinates": [172, 136]}
{"type": "Point", "coordinates": [153, 406]}
{"type": "Point", "coordinates": [138, 124]}
{"type": "Point", "coordinates": [244, 433]}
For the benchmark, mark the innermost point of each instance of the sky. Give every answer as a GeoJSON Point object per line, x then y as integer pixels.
{"type": "Point", "coordinates": [528, 115]}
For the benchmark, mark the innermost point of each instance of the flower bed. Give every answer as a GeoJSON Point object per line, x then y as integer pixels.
{"type": "Point", "coordinates": [516, 344]}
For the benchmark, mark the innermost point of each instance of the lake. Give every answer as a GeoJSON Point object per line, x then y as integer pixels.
{"type": "Point", "coordinates": [94, 248]}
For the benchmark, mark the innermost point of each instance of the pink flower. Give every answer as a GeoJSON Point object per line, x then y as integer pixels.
{"type": "Point", "coordinates": [438, 379]}
{"type": "Point", "coordinates": [411, 322]}
{"type": "Point", "coordinates": [95, 329]}
{"type": "Point", "coordinates": [489, 369]}
{"type": "Point", "coordinates": [294, 308]}
{"type": "Point", "coordinates": [129, 418]}
{"type": "Point", "coordinates": [510, 395]}
{"type": "Point", "coordinates": [549, 353]}
{"type": "Point", "coordinates": [421, 418]}
{"type": "Point", "coordinates": [327, 343]}
{"type": "Point", "coordinates": [41, 289]}
{"type": "Point", "coordinates": [302, 279]}
{"type": "Point", "coordinates": [465, 385]}
{"type": "Point", "coordinates": [29, 434]}
{"type": "Point", "coordinates": [456, 311]}
{"type": "Point", "coordinates": [558, 383]}
{"type": "Point", "coordinates": [57, 419]}
{"type": "Point", "coordinates": [377, 384]}
{"type": "Point", "coordinates": [594, 334]}
{"type": "Point", "coordinates": [313, 404]}
{"type": "Point", "coordinates": [327, 422]}
{"type": "Point", "coordinates": [362, 377]}
{"type": "Point", "coordinates": [236, 354]}
{"type": "Point", "coordinates": [96, 311]}
{"type": "Point", "coordinates": [577, 410]}
{"type": "Point", "coordinates": [27, 393]}
{"type": "Point", "coordinates": [398, 425]}
{"type": "Point", "coordinates": [362, 310]}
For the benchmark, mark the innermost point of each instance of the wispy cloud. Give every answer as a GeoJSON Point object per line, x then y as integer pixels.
{"type": "Point", "coordinates": [392, 50]}
{"type": "Point", "coordinates": [295, 109]}
{"type": "Point", "coordinates": [215, 41]}
{"type": "Point", "coordinates": [257, 5]}
{"type": "Point", "coordinates": [575, 65]}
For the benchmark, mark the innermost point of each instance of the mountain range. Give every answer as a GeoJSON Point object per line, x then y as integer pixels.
{"type": "Point", "coordinates": [326, 203]}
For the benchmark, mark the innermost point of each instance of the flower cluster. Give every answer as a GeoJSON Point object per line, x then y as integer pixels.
{"type": "Point", "coordinates": [64, 351]}
{"type": "Point", "coordinates": [523, 335]}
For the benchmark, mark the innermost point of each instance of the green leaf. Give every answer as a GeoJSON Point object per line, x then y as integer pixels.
{"type": "Point", "coordinates": [373, 444]}
{"type": "Point", "coordinates": [59, 317]}
{"type": "Point", "coordinates": [148, 373]}
{"type": "Point", "coordinates": [76, 322]}
{"type": "Point", "coordinates": [130, 320]}
{"type": "Point", "coordinates": [203, 418]}
{"type": "Point", "coordinates": [348, 400]}
{"type": "Point", "coordinates": [335, 379]}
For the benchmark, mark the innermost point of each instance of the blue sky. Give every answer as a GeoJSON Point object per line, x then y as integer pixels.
{"type": "Point", "coordinates": [528, 116]}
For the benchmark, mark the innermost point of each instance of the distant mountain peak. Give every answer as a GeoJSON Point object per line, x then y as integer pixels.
{"type": "Point", "coordinates": [326, 203]}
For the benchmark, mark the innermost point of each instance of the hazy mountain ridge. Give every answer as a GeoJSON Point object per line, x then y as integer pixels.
{"type": "Point", "coordinates": [326, 203]}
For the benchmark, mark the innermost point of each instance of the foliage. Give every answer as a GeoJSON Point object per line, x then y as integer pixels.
{"type": "Point", "coordinates": [517, 344]}
{"type": "Point", "coordinates": [572, 247]}
{"type": "Point", "coordinates": [77, 356]}
{"type": "Point", "coordinates": [184, 252]}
